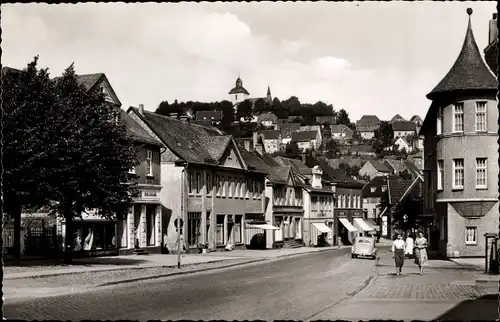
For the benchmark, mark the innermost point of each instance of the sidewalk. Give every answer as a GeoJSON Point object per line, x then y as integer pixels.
{"type": "Point", "coordinates": [445, 291]}
{"type": "Point", "coordinates": [136, 262]}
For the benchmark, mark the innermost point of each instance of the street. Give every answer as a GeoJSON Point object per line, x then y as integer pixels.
{"type": "Point", "coordinates": [326, 285]}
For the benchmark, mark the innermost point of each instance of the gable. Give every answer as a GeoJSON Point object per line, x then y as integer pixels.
{"type": "Point", "coordinates": [368, 168]}
{"type": "Point", "coordinates": [231, 158]}
{"type": "Point", "coordinates": [109, 93]}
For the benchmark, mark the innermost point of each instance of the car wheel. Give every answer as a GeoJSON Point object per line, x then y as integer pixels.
{"type": "Point", "coordinates": [374, 257]}
{"type": "Point", "coordinates": [353, 256]}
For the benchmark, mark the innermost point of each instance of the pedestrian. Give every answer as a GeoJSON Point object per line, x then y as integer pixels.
{"type": "Point", "coordinates": [421, 252]}
{"type": "Point", "coordinates": [409, 245]}
{"type": "Point", "coordinates": [398, 253]}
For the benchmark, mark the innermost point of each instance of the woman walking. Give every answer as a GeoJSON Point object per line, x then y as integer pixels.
{"type": "Point", "coordinates": [398, 252]}
{"type": "Point", "coordinates": [421, 252]}
{"type": "Point", "coordinates": [409, 245]}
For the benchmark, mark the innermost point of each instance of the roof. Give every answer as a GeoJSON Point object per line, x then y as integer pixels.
{"type": "Point", "coordinates": [288, 128]}
{"type": "Point", "coordinates": [416, 118]}
{"type": "Point", "coordinates": [368, 123]}
{"type": "Point", "coordinates": [413, 169]}
{"type": "Point", "coordinates": [377, 183]}
{"type": "Point", "coordinates": [305, 136]}
{"type": "Point", "coordinates": [379, 166]}
{"type": "Point", "coordinates": [209, 115]}
{"type": "Point", "coordinates": [329, 173]}
{"type": "Point", "coordinates": [363, 148]}
{"type": "Point", "coordinates": [239, 89]}
{"type": "Point", "coordinates": [326, 119]}
{"type": "Point", "coordinates": [396, 118]}
{"type": "Point", "coordinates": [136, 131]}
{"type": "Point", "coordinates": [297, 165]}
{"type": "Point", "coordinates": [339, 128]}
{"type": "Point", "coordinates": [397, 188]}
{"type": "Point", "coordinates": [404, 126]}
{"type": "Point", "coordinates": [396, 165]}
{"type": "Point", "coordinates": [89, 80]}
{"type": "Point", "coordinates": [270, 134]}
{"type": "Point", "coordinates": [469, 72]}
{"type": "Point", "coordinates": [190, 142]}
{"type": "Point", "coordinates": [267, 117]}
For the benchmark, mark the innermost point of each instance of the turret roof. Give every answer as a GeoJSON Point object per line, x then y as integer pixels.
{"type": "Point", "coordinates": [469, 71]}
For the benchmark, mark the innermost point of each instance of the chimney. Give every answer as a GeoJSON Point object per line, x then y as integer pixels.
{"type": "Point", "coordinates": [316, 180]}
{"type": "Point", "coordinates": [247, 145]}
{"type": "Point", "coordinates": [255, 137]}
{"type": "Point", "coordinates": [259, 148]}
{"type": "Point", "coordinates": [493, 32]}
{"type": "Point", "coordinates": [141, 109]}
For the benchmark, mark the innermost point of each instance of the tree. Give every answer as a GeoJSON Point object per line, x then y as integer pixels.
{"type": "Point", "coordinates": [343, 117]}
{"type": "Point", "coordinates": [292, 150]}
{"type": "Point", "coordinates": [26, 97]}
{"type": "Point", "coordinates": [227, 114]}
{"type": "Point", "coordinates": [331, 148]}
{"type": "Point", "coordinates": [261, 106]}
{"type": "Point", "coordinates": [244, 110]}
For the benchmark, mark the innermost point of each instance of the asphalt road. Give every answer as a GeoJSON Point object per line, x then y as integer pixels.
{"type": "Point", "coordinates": [298, 288]}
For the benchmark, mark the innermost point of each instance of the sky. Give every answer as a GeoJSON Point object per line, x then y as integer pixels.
{"type": "Point", "coordinates": [377, 58]}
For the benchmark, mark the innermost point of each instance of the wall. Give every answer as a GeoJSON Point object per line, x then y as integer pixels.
{"type": "Point", "coordinates": [456, 232]}
{"type": "Point", "coordinates": [367, 135]}
{"type": "Point", "coordinates": [140, 170]}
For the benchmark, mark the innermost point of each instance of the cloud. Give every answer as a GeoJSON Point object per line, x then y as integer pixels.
{"type": "Point", "coordinates": [188, 51]}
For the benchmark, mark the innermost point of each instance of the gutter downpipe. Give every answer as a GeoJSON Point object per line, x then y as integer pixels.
{"type": "Point", "coordinates": [180, 215]}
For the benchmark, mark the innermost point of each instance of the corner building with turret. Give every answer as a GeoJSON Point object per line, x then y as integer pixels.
{"type": "Point", "coordinates": [460, 134]}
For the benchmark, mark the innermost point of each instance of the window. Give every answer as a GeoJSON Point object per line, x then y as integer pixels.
{"type": "Point", "coordinates": [440, 174]}
{"type": "Point", "coordinates": [218, 185]}
{"type": "Point", "coordinates": [149, 162]}
{"type": "Point", "coordinates": [480, 116]}
{"type": "Point", "coordinates": [208, 183]}
{"type": "Point", "coordinates": [193, 228]}
{"type": "Point", "coordinates": [384, 188]}
{"type": "Point", "coordinates": [198, 183]}
{"type": "Point", "coordinates": [230, 187]}
{"type": "Point", "coordinates": [439, 123]}
{"type": "Point", "coordinates": [236, 188]}
{"type": "Point", "coordinates": [470, 235]}
{"type": "Point", "coordinates": [458, 173]}
{"type": "Point", "coordinates": [242, 189]}
{"type": "Point", "coordinates": [373, 189]}
{"type": "Point", "coordinates": [237, 232]}
{"type": "Point", "coordinates": [131, 170]}
{"type": "Point", "coordinates": [341, 201]}
{"type": "Point", "coordinates": [458, 117]}
{"type": "Point", "coordinates": [248, 187]}
{"type": "Point", "coordinates": [223, 185]}
{"type": "Point", "coordinates": [191, 184]}
{"type": "Point", "coordinates": [481, 173]}
{"type": "Point", "coordinates": [220, 230]}
{"type": "Point", "coordinates": [348, 201]}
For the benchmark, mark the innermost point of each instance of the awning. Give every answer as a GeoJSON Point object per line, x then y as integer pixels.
{"type": "Point", "coordinates": [362, 224]}
{"type": "Point", "coordinates": [347, 224]}
{"type": "Point", "coordinates": [263, 226]}
{"type": "Point", "coordinates": [321, 227]}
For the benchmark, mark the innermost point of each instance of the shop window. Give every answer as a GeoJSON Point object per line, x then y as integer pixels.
{"type": "Point", "coordinates": [193, 228]}
{"type": "Point", "coordinates": [219, 236]}
{"type": "Point", "coordinates": [471, 235]}
{"type": "Point", "coordinates": [150, 225]}
{"type": "Point", "coordinates": [95, 236]}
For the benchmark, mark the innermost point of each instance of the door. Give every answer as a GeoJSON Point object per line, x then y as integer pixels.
{"type": "Point", "coordinates": [165, 217]}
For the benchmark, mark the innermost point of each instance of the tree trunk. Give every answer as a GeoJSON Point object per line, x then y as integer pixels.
{"type": "Point", "coordinates": [17, 234]}
{"type": "Point", "coordinates": [68, 237]}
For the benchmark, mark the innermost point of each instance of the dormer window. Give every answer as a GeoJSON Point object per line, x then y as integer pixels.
{"type": "Point", "coordinates": [373, 189]}
{"type": "Point", "coordinates": [384, 188]}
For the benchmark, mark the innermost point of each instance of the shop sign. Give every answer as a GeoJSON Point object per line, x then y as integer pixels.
{"type": "Point", "coordinates": [150, 194]}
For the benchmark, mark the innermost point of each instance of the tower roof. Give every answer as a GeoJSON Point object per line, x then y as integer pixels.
{"type": "Point", "coordinates": [469, 71]}
{"type": "Point", "coordinates": [238, 89]}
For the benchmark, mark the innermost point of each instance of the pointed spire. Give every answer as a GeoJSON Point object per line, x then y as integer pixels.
{"type": "Point", "coordinates": [469, 71]}
{"type": "Point", "coordinates": [268, 90]}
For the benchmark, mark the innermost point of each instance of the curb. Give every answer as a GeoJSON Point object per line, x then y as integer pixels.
{"type": "Point", "coordinates": [178, 273]}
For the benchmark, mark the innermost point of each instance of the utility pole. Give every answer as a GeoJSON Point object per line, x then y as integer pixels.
{"type": "Point", "coordinates": [179, 220]}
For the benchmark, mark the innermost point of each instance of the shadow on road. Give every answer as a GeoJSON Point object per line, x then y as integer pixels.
{"type": "Point", "coordinates": [76, 262]}
{"type": "Point", "coordinates": [484, 308]}
{"type": "Point", "coordinates": [457, 268]}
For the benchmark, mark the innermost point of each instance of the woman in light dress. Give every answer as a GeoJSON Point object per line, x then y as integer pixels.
{"type": "Point", "coordinates": [421, 252]}
{"type": "Point", "coordinates": [409, 245]}
{"type": "Point", "coordinates": [398, 252]}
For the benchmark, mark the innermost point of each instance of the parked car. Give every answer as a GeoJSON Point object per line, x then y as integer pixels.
{"type": "Point", "coordinates": [364, 247]}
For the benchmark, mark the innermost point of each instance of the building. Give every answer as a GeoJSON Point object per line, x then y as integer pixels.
{"type": "Point", "coordinates": [374, 168]}
{"type": "Point", "coordinates": [373, 192]}
{"type": "Point", "coordinates": [268, 120]}
{"type": "Point", "coordinates": [460, 165]}
{"type": "Point", "coordinates": [287, 130]}
{"type": "Point", "coordinates": [362, 150]}
{"type": "Point", "coordinates": [270, 138]}
{"type": "Point", "coordinates": [308, 140]}
{"type": "Point", "coordinates": [397, 118]}
{"type": "Point", "coordinates": [403, 128]}
{"type": "Point", "coordinates": [341, 131]}
{"type": "Point", "coordinates": [367, 125]}
{"type": "Point", "coordinates": [239, 94]}
{"type": "Point", "coordinates": [348, 219]}
{"type": "Point", "coordinates": [206, 183]}
{"type": "Point", "coordinates": [491, 51]}
{"type": "Point", "coordinates": [404, 144]}
{"type": "Point", "coordinates": [211, 117]}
